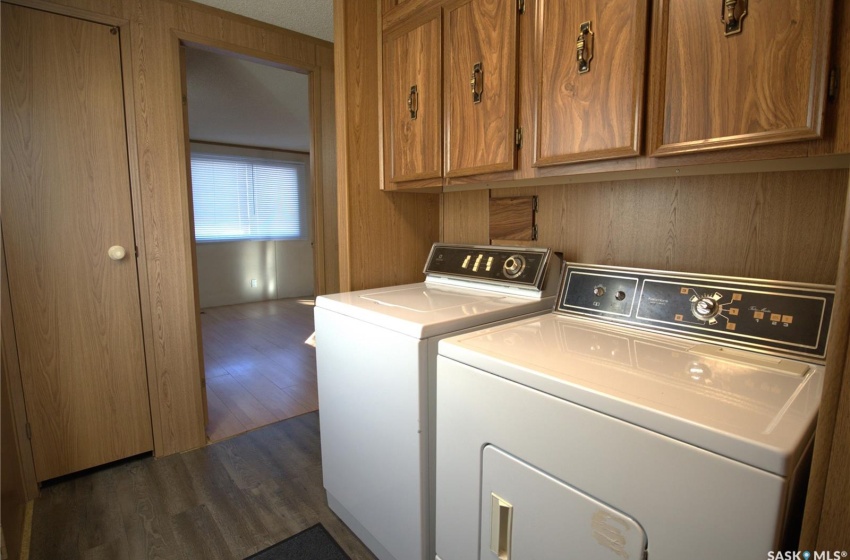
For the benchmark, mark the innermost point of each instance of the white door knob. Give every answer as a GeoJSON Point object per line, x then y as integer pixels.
{"type": "Point", "coordinates": [116, 252]}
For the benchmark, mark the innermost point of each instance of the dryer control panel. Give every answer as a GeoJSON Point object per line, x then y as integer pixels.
{"type": "Point", "coordinates": [520, 266]}
{"type": "Point", "coordinates": [774, 317]}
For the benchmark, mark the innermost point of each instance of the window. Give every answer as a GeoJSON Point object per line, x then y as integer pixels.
{"type": "Point", "coordinates": [240, 198]}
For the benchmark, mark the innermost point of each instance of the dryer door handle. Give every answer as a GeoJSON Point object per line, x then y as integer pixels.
{"type": "Point", "coordinates": [501, 518]}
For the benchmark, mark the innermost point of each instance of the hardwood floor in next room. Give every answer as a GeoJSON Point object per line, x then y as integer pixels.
{"type": "Point", "coordinates": [259, 369]}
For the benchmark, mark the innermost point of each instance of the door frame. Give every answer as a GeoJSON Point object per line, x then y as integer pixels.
{"type": "Point", "coordinates": [184, 39]}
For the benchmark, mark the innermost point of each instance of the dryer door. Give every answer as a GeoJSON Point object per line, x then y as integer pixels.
{"type": "Point", "coordinates": [525, 513]}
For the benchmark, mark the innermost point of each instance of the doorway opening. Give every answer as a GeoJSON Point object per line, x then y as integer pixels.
{"type": "Point", "coordinates": [255, 221]}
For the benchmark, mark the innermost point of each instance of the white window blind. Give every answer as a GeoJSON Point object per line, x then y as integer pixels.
{"type": "Point", "coordinates": [240, 198]}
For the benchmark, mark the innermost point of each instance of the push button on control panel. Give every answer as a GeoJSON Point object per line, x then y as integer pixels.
{"type": "Point", "coordinates": [477, 263]}
{"type": "Point", "coordinates": [612, 295]}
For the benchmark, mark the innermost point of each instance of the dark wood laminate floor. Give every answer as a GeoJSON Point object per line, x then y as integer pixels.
{"type": "Point", "coordinates": [226, 500]}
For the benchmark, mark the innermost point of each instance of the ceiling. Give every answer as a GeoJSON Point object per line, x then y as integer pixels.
{"type": "Point", "coordinates": [236, 101]}
{"type": "Point", "coordinates": [311, 17]}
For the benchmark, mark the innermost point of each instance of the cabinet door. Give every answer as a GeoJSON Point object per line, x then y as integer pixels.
{"type": "Point", "coordinates": [481, 39]}
{"type": "Point", "coordinates": [593, 111]}
{"type": "Point", "coordinates": [66, 201]}
{"type": "Point", "coordinates": [763, 85]}
{"type": "Point", "coordinates": [413, 103]}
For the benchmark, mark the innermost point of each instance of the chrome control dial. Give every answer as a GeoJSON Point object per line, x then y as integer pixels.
{"type": "Point", "coordinates": [514, 266]}
{"type": "Point", "coordinates": [706, 307]}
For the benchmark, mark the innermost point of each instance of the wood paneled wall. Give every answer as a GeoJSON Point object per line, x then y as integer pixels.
{"type": "Point", "coordinates": [830, 471]}
{"type": "Point", "coordinates": [384, 237]}
{"type": "Point", "coordinates": [13, 500]}
{"type": "Point", "coordinates": [159, 174]}
{"type": "Point", "coordinates": [324, 156]}
{"type": "Point", "coordinates": [17, 472]}
{"type": "Point", "coordinates": [783, 226]}
{"type": "Point", "coordinates": [826, 523]}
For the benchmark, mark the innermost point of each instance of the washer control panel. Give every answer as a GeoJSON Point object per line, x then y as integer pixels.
{"type": "Point", "coordinates": [522, 266]}
{"type": "Point", "coordinates": [775, 317]}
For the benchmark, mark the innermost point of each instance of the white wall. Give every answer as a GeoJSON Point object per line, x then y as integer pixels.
{"type": "Point", "coordinates": [282, 269]}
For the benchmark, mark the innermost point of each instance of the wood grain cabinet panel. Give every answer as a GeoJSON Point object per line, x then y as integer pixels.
{"type": "Point", "coordinates": [594, 114]}
{"type": "Point", "coordinates": [480, 135]}
{"type": "Point", "coordinates": [763, 85]}
{"type": "Point", "coordinates": [413, 102]}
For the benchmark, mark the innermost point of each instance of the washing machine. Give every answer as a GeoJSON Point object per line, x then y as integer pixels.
{"type": "Point", "coordinates": [376, 356]}
{"type": "Point", "coordinates": [650, 415]}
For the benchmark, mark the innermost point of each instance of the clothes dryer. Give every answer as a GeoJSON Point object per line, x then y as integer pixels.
{"type": "Point", "coordinates": [652, 415]}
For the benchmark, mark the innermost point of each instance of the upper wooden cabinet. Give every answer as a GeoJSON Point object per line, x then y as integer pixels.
{"type": "Point", "coordinates": [687, 86]}
{"type": "Point", "coordinates": [763, 84]}
{"type": "Point", "coordinates": [589, 65]}
{"type": "Point", "coordinates": [480, 86]}
{"type": "Point", "coordinates": [413, 102]}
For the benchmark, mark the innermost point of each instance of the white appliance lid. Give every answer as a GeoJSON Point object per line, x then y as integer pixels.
{"type": "Point", "coordinates": [745, 411]}
{"type": "Point", "coordinates": [424, 310]}
{"type": "Point", "coordinates": [425, 300]}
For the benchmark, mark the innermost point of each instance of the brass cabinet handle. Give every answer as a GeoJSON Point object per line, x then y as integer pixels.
{"type": "Point", "coordinates": [477, 82]}
{"type": "Point", "coordinates": [413, 102]}
{"type": "Point", "coordinates": [584, 48]}
{"type": "Point", "coordinates": [732, 14]}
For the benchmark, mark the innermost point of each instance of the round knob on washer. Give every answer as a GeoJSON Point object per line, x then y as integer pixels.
{"type": "Point", "coordinates": [705, 307]}
{"type": "Point", "coordinates": [514, 265]}
{"type": "Point", "coordinates": [599, 291]}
